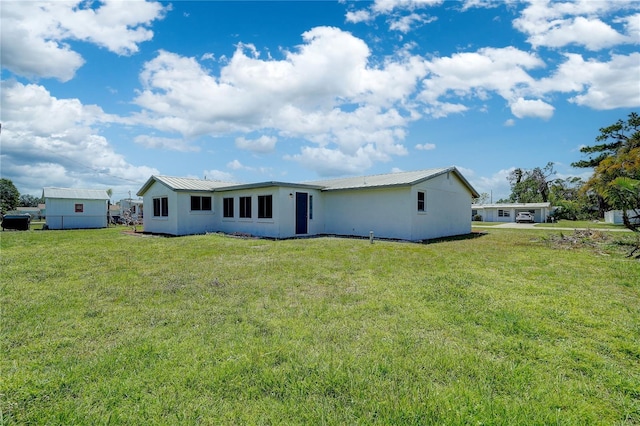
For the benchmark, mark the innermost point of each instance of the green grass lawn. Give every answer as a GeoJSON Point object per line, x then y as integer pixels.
{"type": "Point", "coordinates": [99, 327]}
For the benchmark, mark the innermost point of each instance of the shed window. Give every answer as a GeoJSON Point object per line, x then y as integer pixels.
{"type": "Point", "coordinates": [79, 208]}
{"type": "Point", "coordinates": [245, 207]}
{"type": "Point", "coordinates": [503, 213]}
{"type": "Point", "coordinates": [227, 207]}
{"type": "Point", "coordinates": [265, 206]}
{"type": "Point", "coordinates": [200, 203]}
{"type": "Point", "coordinates": [161, 207]}
{"type": "Point", "coordinates": [421, 201]}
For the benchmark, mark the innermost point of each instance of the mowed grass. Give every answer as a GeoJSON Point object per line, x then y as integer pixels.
{"type": "Point", "coordinates": [99, 327]}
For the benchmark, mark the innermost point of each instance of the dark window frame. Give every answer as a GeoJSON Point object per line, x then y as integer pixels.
{"type": "Point", "coordinates": [161, 207]}
{"type": "Point", "coordinates": [228, 207]}
{"type": "Point", "coordinates": [245, 207]}
{"type": "Point", "coordinates": [422, 201]}
{"type": "Point", "coordinates": [201, 203]}
{"type": "Point", "coordinates": [265, 206]}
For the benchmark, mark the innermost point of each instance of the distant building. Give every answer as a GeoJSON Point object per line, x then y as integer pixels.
{"type": "Point", "coordinates": [615, 217]}
{"type": "Point", "coordinates": [506, 212]}
{"type": "Point", "coordinates": [133, 209]}
{"type": "Point", "coordinates": [69, 208]}
{"type": "Point", "coordinates": [34, 212]}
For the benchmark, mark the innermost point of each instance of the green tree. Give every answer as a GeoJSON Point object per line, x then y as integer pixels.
{"type": "Point", "coordinates": [9, 196]}
{"type": "Point", "coordinates": [613, 137]}
{"type": "Point", "coordinates": [27, 200]}
{"type": "Point", "coordinates": [616, 176]}
{"type": "Point", "coordinates": [530, 186]}
{"type": "Point", "coordinates": [482, 199]}
{"type": "Point", "coordinates": [571, 201]}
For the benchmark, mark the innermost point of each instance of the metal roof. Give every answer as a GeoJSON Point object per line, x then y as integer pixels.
{"type": "Point", "coordinates": [361, 182]}
{"type": "Point", "coordinates": [76, 194]}
{"type": "Point", "coordinates": [184, 184]}
{"type": "Point", "coordinates": [389, 179]}
{"type": "Point", "coordinates": [268, 184]}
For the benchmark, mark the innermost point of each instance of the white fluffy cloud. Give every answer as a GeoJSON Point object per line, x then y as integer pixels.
{"type": "Point", "coordinates": [558, 24]}
{"type": "Point", "coordinates": [477, 74]}
{"type": "Point", "coordinates": [426, 146]}
{"type": "Point", "coordinates": [35, 34]}
{"type": "Point", "coordinates": [170, 144]}
{"type": "Point", "coordinates": [532, 108]}
{"type": "Point", "coordinates": [262, 145]}
{"type": "Point", "coordinates": [599, 85]}
{"type": "Point", "coordinates": [54, 142]}
{"type": "Point", "coordinates": [329, 96]}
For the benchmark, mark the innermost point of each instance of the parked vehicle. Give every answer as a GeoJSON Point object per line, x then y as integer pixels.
{"type": "Point", "coordinates": [524, 217]}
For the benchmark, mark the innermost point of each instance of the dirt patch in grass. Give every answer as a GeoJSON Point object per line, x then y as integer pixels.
{"type": "Point", "coordinates": [601, 242]}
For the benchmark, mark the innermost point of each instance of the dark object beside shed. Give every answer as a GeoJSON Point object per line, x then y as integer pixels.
{"type": "Point", "coordinates": [19, 222]}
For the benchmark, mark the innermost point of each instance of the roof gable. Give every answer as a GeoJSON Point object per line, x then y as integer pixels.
{"type": "Point", "coordinates": [183, 184]}
{"type": "Point", "coordinates": [75, 194]}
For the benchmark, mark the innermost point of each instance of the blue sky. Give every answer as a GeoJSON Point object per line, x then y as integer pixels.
{"type": "Point", "coordinates": [105, 94]}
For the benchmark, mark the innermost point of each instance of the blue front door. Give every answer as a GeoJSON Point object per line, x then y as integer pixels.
{"type": "Point", "coordinates": [302, 212]}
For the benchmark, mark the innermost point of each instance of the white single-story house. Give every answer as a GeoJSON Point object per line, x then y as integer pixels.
{"type": "Point", "coordinates": [615, 217]}
{"type": "Point", "coordinates": [414, 206]}
{"type": "Point", "coordinates": [506, 212]}
{"type": "Point", "coordinates": [69, 208]}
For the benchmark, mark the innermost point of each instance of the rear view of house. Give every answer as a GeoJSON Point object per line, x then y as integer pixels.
{"type": "Point", "coordinates": [417, 205]}
{"type": "Point", "coordinates": [69, 208]}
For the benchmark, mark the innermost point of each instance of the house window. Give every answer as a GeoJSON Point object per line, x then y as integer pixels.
{"type": "Point", "coordinates": [227, 207]}
{"type": "Point", "coordinates": [245, 207]}
{"type": "Point", "coordinates": [421, 202]}
{"type": "Point", "coordinates": [161, 207]}
{"type": "Point", "coordinates": [200, 203]}
{"type": "Point", "coordinates": [503, 213]}
{"type": "Point", "coordinates": [265, 206]}
{"type": "Point", "coordinates": [79, 208]}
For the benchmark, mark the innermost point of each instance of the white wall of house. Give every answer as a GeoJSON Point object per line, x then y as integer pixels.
{"type": "Point", "coordinates": [193, 221]}
{"type": "Point", "coordinates": [264, 227]}
{"type": "Point", "coordinates": [62, 214]}
{"type": "Point", "coordinates": [385, 211]}
{"type": "Point", "coordinates": [161, 224]}
{"type": "Point", "coordinates": [447, 210]}
{"type": "Point", "coordinates": [282, 222]}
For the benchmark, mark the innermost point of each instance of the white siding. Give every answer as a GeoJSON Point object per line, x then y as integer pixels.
{"type": "Point", "coordinates": [281, 225]}
{"type": "Point", "coordinates": [161, 225]}
{"type": "Point", "coordinates": [393, 212]}
{"type": "Point", "coordinates": [61, 214]}
{"type": "Point", "coordinates": [384, 211]}
{"type": "Point", "coordinates": [448, 208]}
{"type": "Point", "coordinates": [193, 222]}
